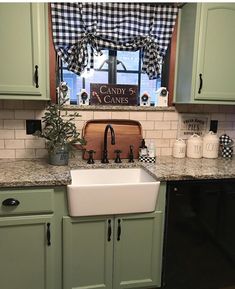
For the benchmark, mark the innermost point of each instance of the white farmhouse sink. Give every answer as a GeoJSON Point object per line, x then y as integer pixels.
{"type": "Point", "coordinates": [111, 191]}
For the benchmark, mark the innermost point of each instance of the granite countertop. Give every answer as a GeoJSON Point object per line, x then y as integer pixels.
{"type": "Point", "coordinates": [37, 172]}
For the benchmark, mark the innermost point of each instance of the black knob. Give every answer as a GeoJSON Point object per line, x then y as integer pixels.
{"type": "Point", "coordinates": [118, 158]}
{"type": "Point", "coordinates": [10, 202]}
{"type": "Point", "coordinates": [90, 157]}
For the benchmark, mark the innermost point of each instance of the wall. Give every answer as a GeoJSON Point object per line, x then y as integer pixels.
{"type": "Point", "coordinates": [161, 126]}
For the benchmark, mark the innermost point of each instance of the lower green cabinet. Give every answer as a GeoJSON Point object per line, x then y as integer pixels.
{"type": "Point", "coordinates": [26, 252]}
{"type": "Point", "coordinates": [138, 250]}
{"type": "Point", "coordinates": [113, 252]}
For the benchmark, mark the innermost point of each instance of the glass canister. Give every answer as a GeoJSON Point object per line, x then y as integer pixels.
{"type": "Point", "coordinates": [210, 145]}
{"type": "Point", "coordinates": [179, 148]}
{"type": "Point", "coordinates": [194, 147]}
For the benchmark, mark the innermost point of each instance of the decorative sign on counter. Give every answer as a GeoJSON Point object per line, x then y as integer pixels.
{"type": "Point", "coordinates": [193, 124]}
{"type": "Point", "coordinates": [113, 94]}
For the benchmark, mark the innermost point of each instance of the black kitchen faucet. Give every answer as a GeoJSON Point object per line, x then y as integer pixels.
{"type": "Point", "coordinates": [104, 158]}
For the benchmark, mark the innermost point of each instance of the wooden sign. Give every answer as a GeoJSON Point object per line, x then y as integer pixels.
{"type": "Point", "coordinates": [113, 94]}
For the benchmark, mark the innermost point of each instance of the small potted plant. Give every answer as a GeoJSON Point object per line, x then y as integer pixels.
{"type": "Point", "coordinates": [60, 133]}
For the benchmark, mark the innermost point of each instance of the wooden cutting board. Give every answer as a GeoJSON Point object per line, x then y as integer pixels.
{"type": "Point", "coordinates": [127, 132]}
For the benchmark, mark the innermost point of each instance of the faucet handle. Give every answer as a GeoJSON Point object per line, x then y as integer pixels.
{"type": "Point", "coordinates": [118, 159]}
{"type": "Point", "coordinates": [90, 156]}
{"type": "Point", "coordinates": [131, 155]}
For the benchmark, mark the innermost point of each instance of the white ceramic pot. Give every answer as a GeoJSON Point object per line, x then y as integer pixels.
{"type": "Point", "coordinates": [179, 148]}
{"type": "Point", "coordinates": [194, 147]}
{"type": "Point", "coordinates": [210, 145]}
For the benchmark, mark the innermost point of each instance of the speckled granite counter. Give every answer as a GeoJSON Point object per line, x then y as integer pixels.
{"type": "Point", "coordinates": [36, 172]}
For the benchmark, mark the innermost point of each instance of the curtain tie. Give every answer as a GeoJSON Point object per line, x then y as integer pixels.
{"type": "Point", "coordinates": [79, 54]}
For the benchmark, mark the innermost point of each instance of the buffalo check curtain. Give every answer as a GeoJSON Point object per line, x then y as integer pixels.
{"type": "Point", "coordinates": [82, 29]}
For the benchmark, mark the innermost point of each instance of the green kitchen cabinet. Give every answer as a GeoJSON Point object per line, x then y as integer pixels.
{"type": "Point", "coordinates": [87, 253]}
{"type": "Point", "coordinates": [122, 251]}
{"type": "Point", "coordinates": [26, 238]}
{"type": "Point", "coordinates": [205, 66]}
{"type": "Point", "coordinates": [26, 256]}
{"type": "Point", "coordinates": [24, 72]}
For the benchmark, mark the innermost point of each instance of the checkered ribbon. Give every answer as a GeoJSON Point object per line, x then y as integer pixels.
{"type": "Point", "coordinates": [81, 29]}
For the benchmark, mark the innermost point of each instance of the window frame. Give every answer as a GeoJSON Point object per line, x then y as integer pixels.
{"type": "Point", "coordinates": [167, 81]}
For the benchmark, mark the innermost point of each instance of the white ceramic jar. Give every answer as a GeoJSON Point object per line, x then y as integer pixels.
{"type": "Point", "coordinates": [210, 145]}
{"type": "Point", "coordinates": [194, 147]}
{"type": "Point", "coordinates": [179, 148]}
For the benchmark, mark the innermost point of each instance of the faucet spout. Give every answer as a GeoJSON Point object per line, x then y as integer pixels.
{"type": "Point", "coordinates": [108, 127]}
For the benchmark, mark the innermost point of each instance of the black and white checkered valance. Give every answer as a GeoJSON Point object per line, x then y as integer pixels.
{"type": "Point", "coordinates": [81, 29]}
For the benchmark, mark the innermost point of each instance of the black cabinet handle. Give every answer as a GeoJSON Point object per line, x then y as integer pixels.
{"type": "Point", "coordinates": [109, 230]}
{"type": "Point", "coordinates": [36, 76]}
{"type": "Point", "coordinates": [10, 202]}
{"type": "Point", "coordinates": [201, 83]}
{"type": "Point", "coordinates": [119, 230]}
{"type": "Point", "coordinates": [48, 234]}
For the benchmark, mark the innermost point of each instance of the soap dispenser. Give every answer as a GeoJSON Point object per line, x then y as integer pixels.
{"type": "Point", "coordinates": [143, 150]}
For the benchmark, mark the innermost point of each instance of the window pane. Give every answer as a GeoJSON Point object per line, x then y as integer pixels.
{"type": "Point", "coordinates": [150, 86]}
{"type": "Point", "coordinates": [74, 82]}
{"type": "Point", "coordinates": [130, 60]}
{"type": "Point", "coordinates": [100, 62]}
{"type": "Point", "coordinates": [97, 77]}
{"type": "Point", "coordinates": [127, 78]}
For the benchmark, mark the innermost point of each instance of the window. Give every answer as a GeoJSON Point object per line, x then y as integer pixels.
{"type": "Point", "coordinates": [117, 67]}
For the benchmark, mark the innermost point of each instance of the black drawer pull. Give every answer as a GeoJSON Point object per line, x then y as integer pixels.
{"type": "Point", "coordinates": [48, 234]}
{"type": "Point", "coordinates": [10, 202]}
{"type": "Point", "coordinates": [109, 230]}
{"type": "Point", "coordinates": [201, 83]}
{"type": "Point", "coordinates": [119, 230]}
{"type": "Point", "coordinates": [36, 76]}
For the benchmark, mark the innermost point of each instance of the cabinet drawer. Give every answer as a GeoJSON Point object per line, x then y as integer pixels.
{"type": "Point", "coordinates": [26, 201]}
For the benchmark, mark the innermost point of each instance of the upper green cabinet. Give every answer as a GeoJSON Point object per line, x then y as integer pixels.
{"type": "Point", "coordinates": [24, 51]}
{"type": "Point", "coordinates": [205, 66]}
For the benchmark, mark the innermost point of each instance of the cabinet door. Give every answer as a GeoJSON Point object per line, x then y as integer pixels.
{"type": "Point", "coordinates": [138, 250]}
{"type": "Point", "coordinates": [26, 257]}
{"type": "Point", "coordinates": [87, 252]}
{"type": "Point", "coordinates": [216, 57]}
{"type": "Point", "coordinates": [23, 31]}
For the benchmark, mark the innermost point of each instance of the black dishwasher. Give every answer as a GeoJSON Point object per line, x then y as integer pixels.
{"type": "Point", "coordinates": [199, 247]}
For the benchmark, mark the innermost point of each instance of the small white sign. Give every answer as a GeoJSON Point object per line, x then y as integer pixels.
{"type": "Point", "coordinates": [193, 123]}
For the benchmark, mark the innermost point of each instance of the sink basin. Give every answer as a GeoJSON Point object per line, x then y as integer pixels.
{"type": "Point", "coordinates": [111, 191]}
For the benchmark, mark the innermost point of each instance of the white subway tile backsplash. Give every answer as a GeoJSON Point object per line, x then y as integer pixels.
{"type": "Point", "coordinates": [120, 115]}
{"type": "Point", "coordinates": [33, 144]}
{"type": "Point", "coordinates": [14, 144]}
{"type": "Point", "coordinates": [25, 153]}
{"type": "Point", "coordinates": [6, 114]}
{"type": "Point", "coordinates": [155, 115]}
{"type": "Point", "coordinates": [21, 134]}
{"type": "Point", "coordinates": [7, 134]}
{"type": "Point", "coordinates": [138, 115]}
{"type": "Point", "coordinates": [14, 124]}
{"type": "Point", "coordinates": [13, 104]}
{"type": "Point", "coordinates": [147, 125]}
{"type": "Point", "coordinates": [102, 114]}
{"type": "Point", "coordinates": [86, 115]}
{"type": "Point", "coordinates": [169, 134]}
{"type": "Point", "coordinates": [153, 134]}
{"type": "Point", "coordinates": [24, 114]}
{"type": "Point", "coordinates": [160, 126]}
{"type": "Point", "coordinates": [7, 154]}
{"type": "Point", "coordinates": [171, 115]}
